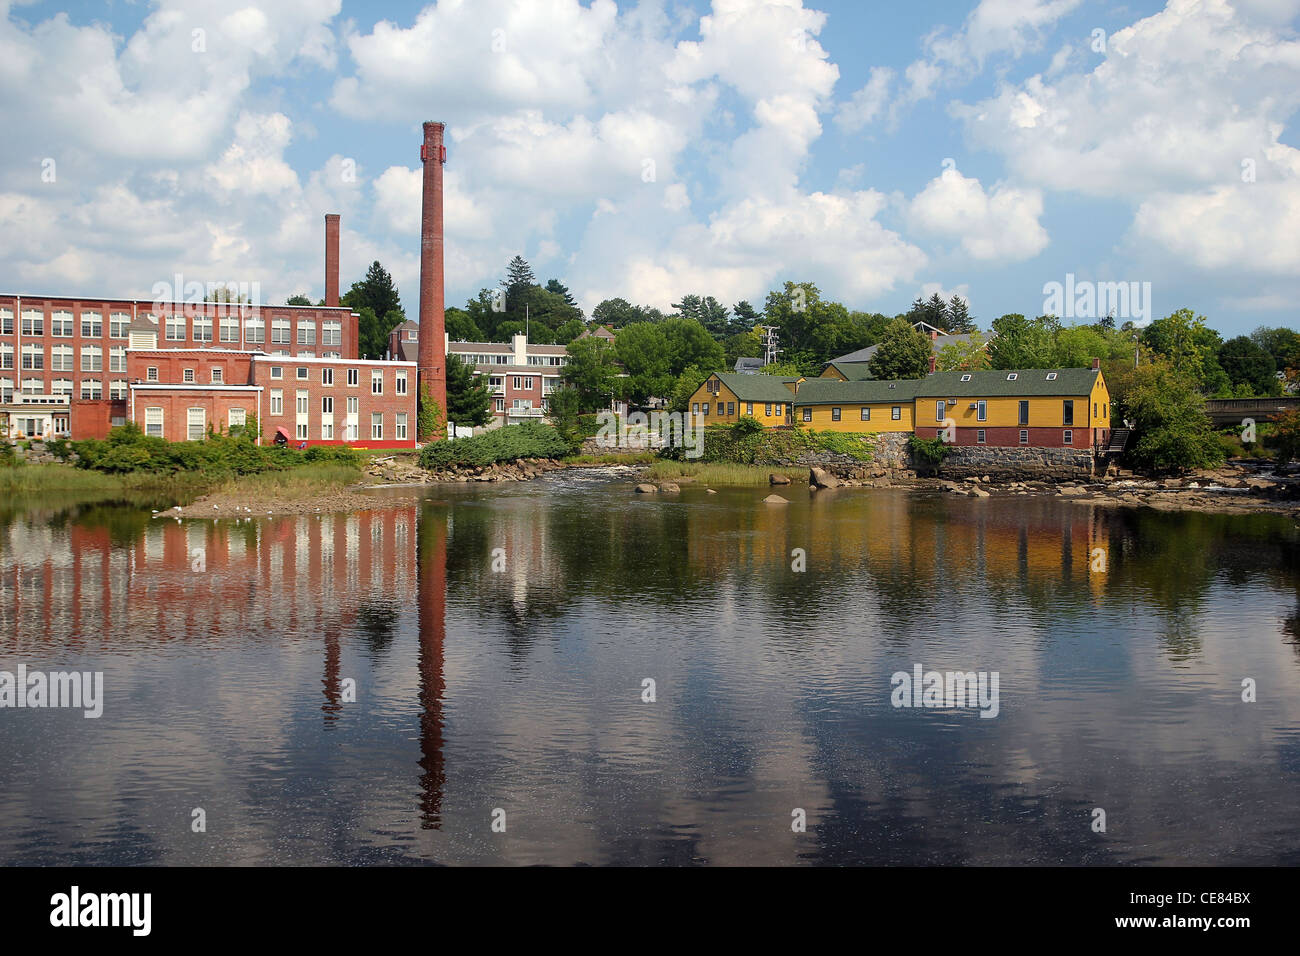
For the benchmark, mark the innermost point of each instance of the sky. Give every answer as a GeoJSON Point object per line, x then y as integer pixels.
{"type": "Point", "coordinates": [881, 150]}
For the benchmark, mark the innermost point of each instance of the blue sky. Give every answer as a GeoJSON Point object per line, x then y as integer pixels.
{"type": "Point", "coordinates": [881, 150]}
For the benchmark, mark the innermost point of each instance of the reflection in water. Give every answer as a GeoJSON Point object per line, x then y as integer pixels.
{"type": "Point", "coordinates": [497, 641]}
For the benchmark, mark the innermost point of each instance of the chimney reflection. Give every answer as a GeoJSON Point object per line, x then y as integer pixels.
{"type": "Point", "coordinates": [431, 587]}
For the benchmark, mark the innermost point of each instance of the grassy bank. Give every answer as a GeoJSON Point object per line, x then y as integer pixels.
{"type": "Point", "coordinates": [301, 481]}
{"type": "Point", "coordinates": [721, 473]}
{"type": "Point", "coordinates": [53, 479]}
{"type": "Point", "coordinates": [633, 458]}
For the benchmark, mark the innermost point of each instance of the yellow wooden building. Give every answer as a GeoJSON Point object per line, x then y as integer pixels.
{"type": "Point", "coordinates": [726, 397]}
{"type": "Point", "coordinates": [868, 407]}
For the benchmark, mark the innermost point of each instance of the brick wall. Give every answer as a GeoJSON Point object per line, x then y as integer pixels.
{"type": "Point", "coordinates": [325, 390]}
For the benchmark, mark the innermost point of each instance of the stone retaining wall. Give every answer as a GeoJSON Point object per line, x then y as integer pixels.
{"type": "Point", "coordinates": [1017, 463]}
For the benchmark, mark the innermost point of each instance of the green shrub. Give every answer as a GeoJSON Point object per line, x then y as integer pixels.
{"type": "Point", "coordinates": [508, 443]}
{"type": "Point", "coordinates": [740, 443]}
{"type": "Point", "coordinates": [8, 457]}
{"type": "Point", "coordinates": [929, 452]}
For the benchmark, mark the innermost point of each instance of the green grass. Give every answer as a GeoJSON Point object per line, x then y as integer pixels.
{"type": "Point", "coordinates": [301, 481]}
{"type": "Point", "coordinates": [66, 480]}
{"type": "Point", "coordinates": [719, 473]}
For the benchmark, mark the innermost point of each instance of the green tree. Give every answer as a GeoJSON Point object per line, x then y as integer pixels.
{"type": "Point", "coordinates": [1248, 364]}
{"type": "Point", "coordinates": [744, 317]}
{"type": "Point", "coordinates": [963, 355]}
{"type": "Point", "coordinates": [687, 384]}
{"type": "Point", "coordinates": [376, 301]}
{"type": "Point", "coordinates": [460, 327]}
{"type": "Point", "coordinates": [469, 402]}
{"type": "Point", "coordinates": [1077, 345]}
{"type": "Point", "coordinates": [933, 311]}
{"type": "Point", "coordinates": [903, 352]}
{"type": "Point", "coordinates": [1022, 343]}
{"type": "Point", "coordinates": [564, 406]}
{"type": "Point", "coordinates": [1281, 343]}
{"type": "Point", "coordinates": [556, 287]}
{"type": "Point", "coordinates": [299, 299]}
{"type": "Point", "coordinates": [642, 350]}
{"type": "Point", "coordinates": [707, 311]}
{"type": "Point", "coordinates": [689, 343]}
{"type": "Point", "coordinates": [1191, 347]}
{"type": "Point", "coordinates": [1168, 415]}
{"type": "Point", "coordinates": [957, 318]}
{"type": "Point", "coordinates": [591, 369]}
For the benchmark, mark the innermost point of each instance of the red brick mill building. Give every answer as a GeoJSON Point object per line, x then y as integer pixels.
{"type": "Point", "coordinates": [76, 367]}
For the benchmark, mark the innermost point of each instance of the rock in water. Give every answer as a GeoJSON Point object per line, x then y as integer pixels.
{"type": "Point", "coordinates": [775, 500]}
{"type": "Point", "coordinates": [644, 489]}
{"type": "Point", "coordinates": [775, 479]}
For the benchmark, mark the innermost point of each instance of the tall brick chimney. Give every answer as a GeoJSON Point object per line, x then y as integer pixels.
{"type": "Point", "coordinates": [432, 360]}
{"type": "Point", "coordinates": [331, 258]}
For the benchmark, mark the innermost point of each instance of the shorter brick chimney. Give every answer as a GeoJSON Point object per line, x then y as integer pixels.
{"type": "Point", "coordinates": [331, 259]}
{"type": "Point", "coordinates": [932, 363]}
{"type": "Point", "coordinates": [1096, 365]}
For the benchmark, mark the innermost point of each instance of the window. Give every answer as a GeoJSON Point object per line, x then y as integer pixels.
{"type": "Point", "coordinates": [91, 389]}
{"type": "Point", "coordinates": [254, 330]}
{"type": "Point", "coordinates": [896, 413]}
{"type": "Point", "coordinates": [1012, 376]}
{"type": "Point", "coordinates": [175, 328]}
{"type": "Point", "coordinates": [767, 409]}
{"type": "Point", "coordinates": [277, 401]}
{"type": "Point", "coordinates": [195, 422]}
{"type": "Point", "coordinates": [695, 408]}
{"type": "Point", "coordinates": [327, 431]}
{"type": "Point", "coordinates": [117, 390]}
{"type": "Point", "coordinates": [277, 371]}
{"type": "Point", "coordinates": [302, 397]}
{"type": "Point", "coordinates": [722, 408]}
{"type": "Point", "coordinates": [401, 426]}
{"type": "Point", "coordinates": [302, 373]}
{"type": "Point", "coordinates": [835, 414]}
{"type": "Point", "coordinates": [61, 386]}
{"type": "Point", "coordinates": [33, 357]}
{"type": "Point", "coordinates": [203, 328]}
{"type": "Point", "coordinates": [117, 358]}
{"type": "Point", "coordinates": [6, 356]}
{"type": "Point", "coordinates": [279, 331]}
{"type": "Point", "coordinates": [218, 375]}
{"type": "Point", "coordinates": [92, 358]}
{"type": "Point", "coordinates": [153, 422]}
{"type": "Point", "coordinates": [352, 405]}
{"type": "Point", "coordinates": [1051, 376]}
{"type": "Point", "coordinates": [306, 334]}
{"type": "Point", "coordinates": [376, 425]}
{"type": "Point", "coordinates": [1024, 436]}
{"type": "Point", "coordinates": [119, 324]}
{"type": "Point", "coordinates": [706, 407]}
{"type": "Point", "coordinates": [187, 375]}
{"type": "Point", "coordinates": [940, 407]}
{"type": "Point", "coordinates": [1023, 417]}
{"type": "Point", "coordinates": [6, 322]}
{"type": "Point", "coordinates": [731, 408]}
{"type": "Point", "coordinates": [401, 383]}
{"type": "Point", "coordinates": [866, 414]}
{"type": "Point", "coordinates": [749, 408]}
{"type": "Point", "coordinates": [238, 417]}
{"type": "Point", "coordinates": [979, 436]}
{"type": "Point", "coordinates": [61, 358]}
{"type": "Point", "coordinates": [354, 377]}
{"type": "Point", "coordinates": [807, 414]}
{"type": "Point", "coordinates": [331, 333]}
{"type": "Point", "coordinates": [327, 376]}
{"type": "Point", "coordinates": [92, 325]}
{"type": "Point", "coordinates": [1067, 412]}
{"type": "Point", "coordinates": [229, 328]}
{"type": "Point", "coordinates": [61, 324]}
{"type": "Point", "coordinates": [376, 381]}
{"type": "Point", "coordinates": [501, 406]}
{"type": "Point", "coordinates": [33, 322]}
{"type": "Point", "coordinates": [1067, 437]}
{"type": "Point", "coordinates": [151, 373]}
{"type": "Point", "coordinates": [966, 377]}
{"type": "Point", "coordinates": [1095, 413]}
{"type": "Point", "coordinates": [327, 405]}
{"type": "Point", "coordinates": [300, 430]}
{"type": "Point", "coordinates": [982, 410]}
{"type": "Point", "coordinates": [1105, 411]}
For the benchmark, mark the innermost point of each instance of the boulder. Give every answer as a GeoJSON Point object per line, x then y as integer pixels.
{"type": "Point", "coordinates": [670, 488]}
{"type": "Point", "coordinates": [644, 489]}
{"type": "Point", "coordinates": [978, 492]}
{"type": "Point", "coordinates": [775, 479]}
{"type": "Point", "coordinates": [821, 478]}
{"type": "Point", "coordinates": [710, 491]}
{"type": "Point", "coordinates": [776, 500]}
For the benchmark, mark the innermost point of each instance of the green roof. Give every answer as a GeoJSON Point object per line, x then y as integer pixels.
{"type": "Point", "coordinates": [828, 391]}
{"type": "Point", "coordinates": [853, 371]}
{"type": "Point", "coordinates": [1000, 383]}
{"type": "Point", "coordinates": [758, 387]}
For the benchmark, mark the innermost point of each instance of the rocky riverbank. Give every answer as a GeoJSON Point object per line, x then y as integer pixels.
{"type": "Point", "coordinates": [399, 471]}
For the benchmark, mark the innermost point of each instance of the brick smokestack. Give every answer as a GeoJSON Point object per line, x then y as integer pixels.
{"type": "Point", "coordinates": [331, 258]}
{"type": "Point", "coordinates": [432, 361]}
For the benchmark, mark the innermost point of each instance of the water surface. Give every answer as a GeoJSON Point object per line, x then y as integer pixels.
{"type": "Point", "coordinates": [498, 638]}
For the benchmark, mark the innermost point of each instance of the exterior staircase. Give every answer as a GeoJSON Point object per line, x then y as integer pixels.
{"type": "Point", "coordinates": [1118, 439]}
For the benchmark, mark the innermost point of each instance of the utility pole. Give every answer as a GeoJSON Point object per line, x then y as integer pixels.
{"type": "Point", "coordinates": [770, 347]}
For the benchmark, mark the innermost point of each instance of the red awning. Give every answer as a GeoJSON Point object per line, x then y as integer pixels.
{"type": "Point", "coordinates": [283, 431]}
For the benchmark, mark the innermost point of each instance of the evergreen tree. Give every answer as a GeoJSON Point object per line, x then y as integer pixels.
{"type": "Point", "coordinates": [903, 352]}
{"type": "Point", "coordinates": [957, 318]}
{"type": "Point", "coordinates": [375, 299]}
{"type": "Point", "coordinates": [744, 316]}
{"type": "Point", "coordinates": [298, 300]}
{"type": "Point", "coordinates": [468, 400]}
{"type": "Point", "coordinates": [556, 287]}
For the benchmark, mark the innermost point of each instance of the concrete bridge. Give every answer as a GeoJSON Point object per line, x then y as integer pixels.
{"type": "Point", "coordinates": [1231, 411]}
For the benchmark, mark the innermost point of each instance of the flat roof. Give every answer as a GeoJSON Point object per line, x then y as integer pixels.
{"type": "Point", "coordinates": [193, 387]}
{"type": "Point", "coordinates": [295, 360]}
{"type": "Point", "coordinates": [231, 306]}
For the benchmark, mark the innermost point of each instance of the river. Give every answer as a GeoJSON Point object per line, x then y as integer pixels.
{"type": "Point", "coordinates": [562, 671]}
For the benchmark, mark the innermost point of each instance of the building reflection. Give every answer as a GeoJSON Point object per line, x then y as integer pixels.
{"type": "Point", "coordinates": [431, 597]}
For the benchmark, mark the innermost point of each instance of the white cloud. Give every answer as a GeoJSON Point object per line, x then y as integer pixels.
{"type": "Point", "coordinates": [867, 103]}
{"type": "Point", "coordinates": [1001, 225]}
